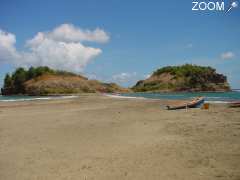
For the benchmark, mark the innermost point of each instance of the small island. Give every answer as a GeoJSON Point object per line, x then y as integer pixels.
{"type": "Point", "coordinates": [185, 78]}
{"type": "Point", "coordinates": [41, 81]}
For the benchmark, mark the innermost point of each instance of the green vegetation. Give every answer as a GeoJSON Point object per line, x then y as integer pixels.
{"type": "Point", "coordinates": [45, 81]}
{"type": "Point", "coordinates": [40, 81]}
{"type": "Point", "coordinates": [14, 84]}
{"type": "Point", "coordinates": [185, 70]}
{"type": "Point", "coordinates": [187, 77]}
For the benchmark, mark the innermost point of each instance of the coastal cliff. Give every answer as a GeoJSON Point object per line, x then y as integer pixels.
{"type": "Point", "coordinates": [45, 81]}
{"type": "Point", "coordinates": [189, 78]}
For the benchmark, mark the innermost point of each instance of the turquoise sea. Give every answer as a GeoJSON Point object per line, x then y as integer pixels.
{"type": "Point", "coordinates": [31, 98]}
{"type": "Point", "coordinates": [216, 97]}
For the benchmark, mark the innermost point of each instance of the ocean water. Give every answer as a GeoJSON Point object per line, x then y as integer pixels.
{"type": "Point", "coordinates": [31, 98]}
{"type": "Point", "coordinates": [215, 97]}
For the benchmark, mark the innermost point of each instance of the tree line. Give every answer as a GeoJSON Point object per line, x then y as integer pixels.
{"type": "Point", "coordinates": [14, 83]}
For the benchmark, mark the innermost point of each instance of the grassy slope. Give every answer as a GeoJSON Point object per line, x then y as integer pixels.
{"type": "Point", "coordinates": [183, 78]}
{"type": "Point", "coordinates": [58, 84]}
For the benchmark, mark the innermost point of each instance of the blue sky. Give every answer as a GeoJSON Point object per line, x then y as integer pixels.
{"type": "Point", "coordinates": [142, 35]}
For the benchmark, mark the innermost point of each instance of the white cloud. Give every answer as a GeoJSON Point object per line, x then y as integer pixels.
{"type": "Point", "coordinates": [147, 76]}
{"type": "Point", "coordinates": [124, 77]}
{"type": "Point", "coordinates": [7, 39]}
{"type": "Point", "coordinates": [61, 48]}
{"type": "Point", "coordinates": [7, 46]}
{"type": "Point", "coordinates": [227, 55]}
{"type": "Point", "coordinates": [71, 33]}
{"type": "Point", "coordinates": [59, 55]}
{"type": "Point", "coordinates": [127, 79]}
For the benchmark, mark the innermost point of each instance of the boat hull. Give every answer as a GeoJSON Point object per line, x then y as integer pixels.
{"type": "Point", "coordinates": [234, 104]}
{"type": "Point", "coordinates": [191, 104]}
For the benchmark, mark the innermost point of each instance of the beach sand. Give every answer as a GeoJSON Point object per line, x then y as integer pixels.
{"type": "Point", "coordinates": [103, 138]}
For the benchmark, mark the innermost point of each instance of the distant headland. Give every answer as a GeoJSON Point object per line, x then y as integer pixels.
{"type": "Point", "coordinates": [39, 81]}
{"type": "Point", "coordinates": [185, 78]}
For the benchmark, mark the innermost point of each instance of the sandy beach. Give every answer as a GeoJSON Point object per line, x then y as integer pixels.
{"type": "Point", "coordinates": [95, 137]}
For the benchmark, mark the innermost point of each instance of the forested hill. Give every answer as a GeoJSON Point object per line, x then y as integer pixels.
{"type": "Point", "coordinates": [46, 81]}
{"type": "Point", "coordinates": [183, 78]}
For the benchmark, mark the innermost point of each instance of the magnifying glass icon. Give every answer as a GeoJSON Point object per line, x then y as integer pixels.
{"type": "Point", "coordinates": [234, 4]}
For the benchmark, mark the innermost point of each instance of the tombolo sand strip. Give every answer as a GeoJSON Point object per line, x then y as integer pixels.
{"type": "Point", "coordinates": [96, 137]}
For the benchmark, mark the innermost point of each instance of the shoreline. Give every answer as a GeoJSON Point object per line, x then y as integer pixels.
{"type": "Point", "coordinates": [37, 98]}
{"type": "Point", "coordinates": [20, 98]}
{"type": "Point", "coordinates": [144, 98]}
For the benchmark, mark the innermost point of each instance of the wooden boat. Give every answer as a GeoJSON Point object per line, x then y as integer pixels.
{"type": "Point", "coordinates": [234, 104]}
{"type": "Point", "coordinates": [196, 102]}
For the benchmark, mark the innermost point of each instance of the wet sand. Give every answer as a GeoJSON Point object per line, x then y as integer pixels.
{"type": "Point", "coordinates": [103, 138]}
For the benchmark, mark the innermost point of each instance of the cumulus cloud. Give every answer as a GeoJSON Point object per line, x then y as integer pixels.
{"type": "Point", "coordinates": [127, 79]}
{"type": "Point", "coordinates": [59, 55]}
{"type": "Point", "coordinates": [7, 46]}
{"type": "Point", "coordinates": [71, 33]}
{"type": "Point", "coordinates": [60, 48]}
{"type": "Point", "coordinates": [227, 55]}
{"type": "Point", "coordinates": [124, 77]}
